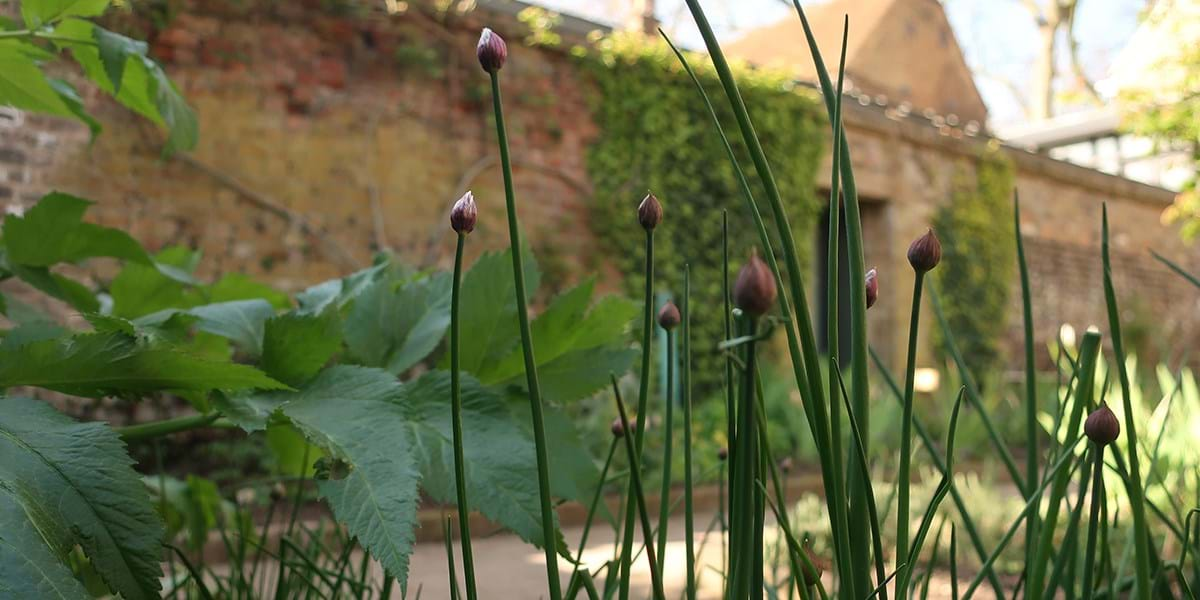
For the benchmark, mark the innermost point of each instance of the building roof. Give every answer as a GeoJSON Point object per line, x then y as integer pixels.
{"type": "Point", "coordinates": [901, 50]}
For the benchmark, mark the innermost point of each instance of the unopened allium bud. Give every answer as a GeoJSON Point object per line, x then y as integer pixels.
{"type": "Point", "coordinates": [650, 212]}
{"type": "Point", "coordinates": [619, 427]}
{"type": "Point", "coordinates": [754, 291]}
{"type": "Point", "coordinates": [785, 465]}
{"type": "Point", "coordinates": [812, 569]}
{"type": "Point", "coordinates": [722, 453]}
{"type": "Point", "coordinates": [872, 287]}
{"type": "Point", "coordinates": [668, 316]}
{"type": "Point", "coordinates": [491, 50]}
{"type": "Point", "coordinates": [278, 492]}
{"type": "Point", "coordinates": [1102, 426]}
{"type": "Point", "coordinates": [925, 252]}
{"type": "Point", "coordinates": [462, 216]}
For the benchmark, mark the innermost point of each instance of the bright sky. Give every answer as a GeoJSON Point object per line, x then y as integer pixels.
{"type": "Point", "coordinates": [998, 36]}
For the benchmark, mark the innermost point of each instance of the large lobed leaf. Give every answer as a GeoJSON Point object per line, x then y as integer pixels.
{"type": "Point", "coordinates": [350, 412]}
{"type": "Point", "coordinates": [393, 324]}
{"type": "Point", "coordinates": [489, 308]}
{"type": "Point", "coordinates": [501, 466]}
{"type": "Point", "coordinates": [113, 362]}
{"type": "Point", "coordinates": [65, 484]}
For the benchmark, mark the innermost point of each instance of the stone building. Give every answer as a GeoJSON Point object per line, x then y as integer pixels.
{"type": "Point", "coordinates": [322, 140]}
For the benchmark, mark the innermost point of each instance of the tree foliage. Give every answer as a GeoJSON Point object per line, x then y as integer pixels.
{"type": "Point", "coordinates": [52, 29]}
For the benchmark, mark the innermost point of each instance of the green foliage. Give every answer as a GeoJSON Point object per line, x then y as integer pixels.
{"type": "Point", "coordinates": [64, 484]}
{"type": "Point", "coordinates": [371, 440]}
{"type": "Point", "coordinates": [978, 257]}
{"type": "Point", "coordinates": [116, 64]}
{"type": "Point", "coordinates": [655, 134]}
{"type": "Point", "coordinates": [1165, 107]}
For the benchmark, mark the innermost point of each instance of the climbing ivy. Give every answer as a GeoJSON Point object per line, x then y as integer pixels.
{"type": "Point", "coordinates": [978, 257]}
{"type": "Point", "coordinates": [655, 134]}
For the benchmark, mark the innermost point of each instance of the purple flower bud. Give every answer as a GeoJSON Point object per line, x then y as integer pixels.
{"type": "Point", "coordinates": [872, 287]}
{"type": "Point", "coordinates": [491, 50]}
{"type": "Point", "coordinates": [785, 465]}
{"type": "Point", "coordinates": [925, 252]}
{"type": "Point", "coordinates": [754, 291]}
{"type": "Point", "coordinates": [650, 212]}
{"type": "Point", "coordinates": [668, 316]}
{"type": "Point", "coordinates": [462, 216]}
{"type": "Point", "coordinates": [812, 574]}
{"type": "Point", "coordinates": [619, 427]}
{"type": "Point", "coordinates": [1102, 426]}
{"type": "Point", "coordinates": [722, 453]}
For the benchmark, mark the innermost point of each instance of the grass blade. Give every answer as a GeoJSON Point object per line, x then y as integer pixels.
{"type": "Point", "coordinates": [1133, 485]}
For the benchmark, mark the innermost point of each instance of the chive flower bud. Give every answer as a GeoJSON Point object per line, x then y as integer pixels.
{"type": "Point", "coordinates": [650, 212]}
{"type": "Point", "coordinates": [925, 252]}
{"type": "Point", "coordinates": [812, 569]}
{"type": "Point", "coordinates": [619, 427]}
{"type": "Point", "coordinates": [462, 215]}
{"type": "Point", "coordinates": [491, 50]}
{"type": "Point", "coordinates": [722, 453]}
{"type": "Point", "coordinates": [872, 287]}
{"type": "Point", "coordinates": [668, 316]}
{"type": "Point", "coordinates": [754, 291]}
{"type": "Point", "coordinates": [785, 465]}
{"type": "Point", "coordinates": [1102, 426]}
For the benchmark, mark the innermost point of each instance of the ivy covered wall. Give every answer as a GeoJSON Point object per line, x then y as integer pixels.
{"type": "Point", "coordinates": [655, 134]}
{"type": "Point", "coordinates": [976, 274]}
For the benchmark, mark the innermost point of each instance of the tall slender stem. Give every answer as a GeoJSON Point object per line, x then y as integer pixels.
{"type": "Point", "coordinates": [1089, 556]}
{"type": "Point", "coordinates": [664, 497]}
{"type": "Point", "coordinates": [531, 377]}
{"type": "Point", "coordinates": [1031, 407]}
{"type": "Point", "coordinates": [591, 515]}
{"type": "Point", "coordinates": [1133, 485]}
{"type": "Point", "coordinates": [460, 469]}
{"type": "Point", "coordinates": [638, 433]}
{"type": "Point", "coordinates": [903, 482]}
{"type": "Point", "coordinates": [685, 384]}
{"type": "Point", "coordinates": [155, 429]}
{"type": "Point", "coordinates": [639, 497]}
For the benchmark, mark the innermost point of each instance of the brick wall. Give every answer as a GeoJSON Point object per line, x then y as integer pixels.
{"type": "Point", "coordinates": [325, 138]}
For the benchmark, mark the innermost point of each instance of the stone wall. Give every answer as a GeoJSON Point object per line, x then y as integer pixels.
{"type": "Point", "coordinates": [325, 138]}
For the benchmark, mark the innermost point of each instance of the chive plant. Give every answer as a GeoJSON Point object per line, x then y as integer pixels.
{"type": "Point", "coordinates": [492, 53]}
{"type": "Point", "coordinates": [668, 319]}
{"type": "Point", "coordinates": [924, 254]}
{"type": "Point", "coordinates": [649, 215]}
{"type": "Point", "coordinates": [1052, 560]}
{"type": "Point", "coordinates": [462, 221]}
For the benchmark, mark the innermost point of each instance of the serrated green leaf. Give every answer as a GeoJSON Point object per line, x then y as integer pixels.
{"type": "Point", "coordinates": [28, 567]}
{"type": "Point", "coordinates": [40, 12]}
{"type": "Point", "coordinates": [115, 50]}
{"type": "Point", "coordinates": [296, 346]}
{"type": "Point", "coordinates": [23, 85]}
{"type": "Point", "coordinates": [240, 321]}
{"type": "Point", "coordinates": [339, 292]}
{"type": "Point", "coordinates": [145, 88]}
{"type": "Point", "coordinates": [33, 331]}
{"type": "Point", "coordinates": [350, 412]}
{"type": "Point", "coordinates": [489, 309]}
{"type": "Point", "coordinates": [139, 290]}
{"type": "Point", "coordinates": [501, 466]}
{"type": "Point", "coordinates": [579, 374]}
{"type": "Point", "coordinates": [567, 325]}
{"type": "Point", "coordinates": [100, 364]}
{"type": "Point", "coordinates": [76, 486]}
{"type": "Point", "coordinates": [394, 324]}
{"type": "Point", "coordinates": [58, 286]}
{"type": "Point", "coordinates": [238, 286]}
{"type": "Point", "coordinates": [74, 102]}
